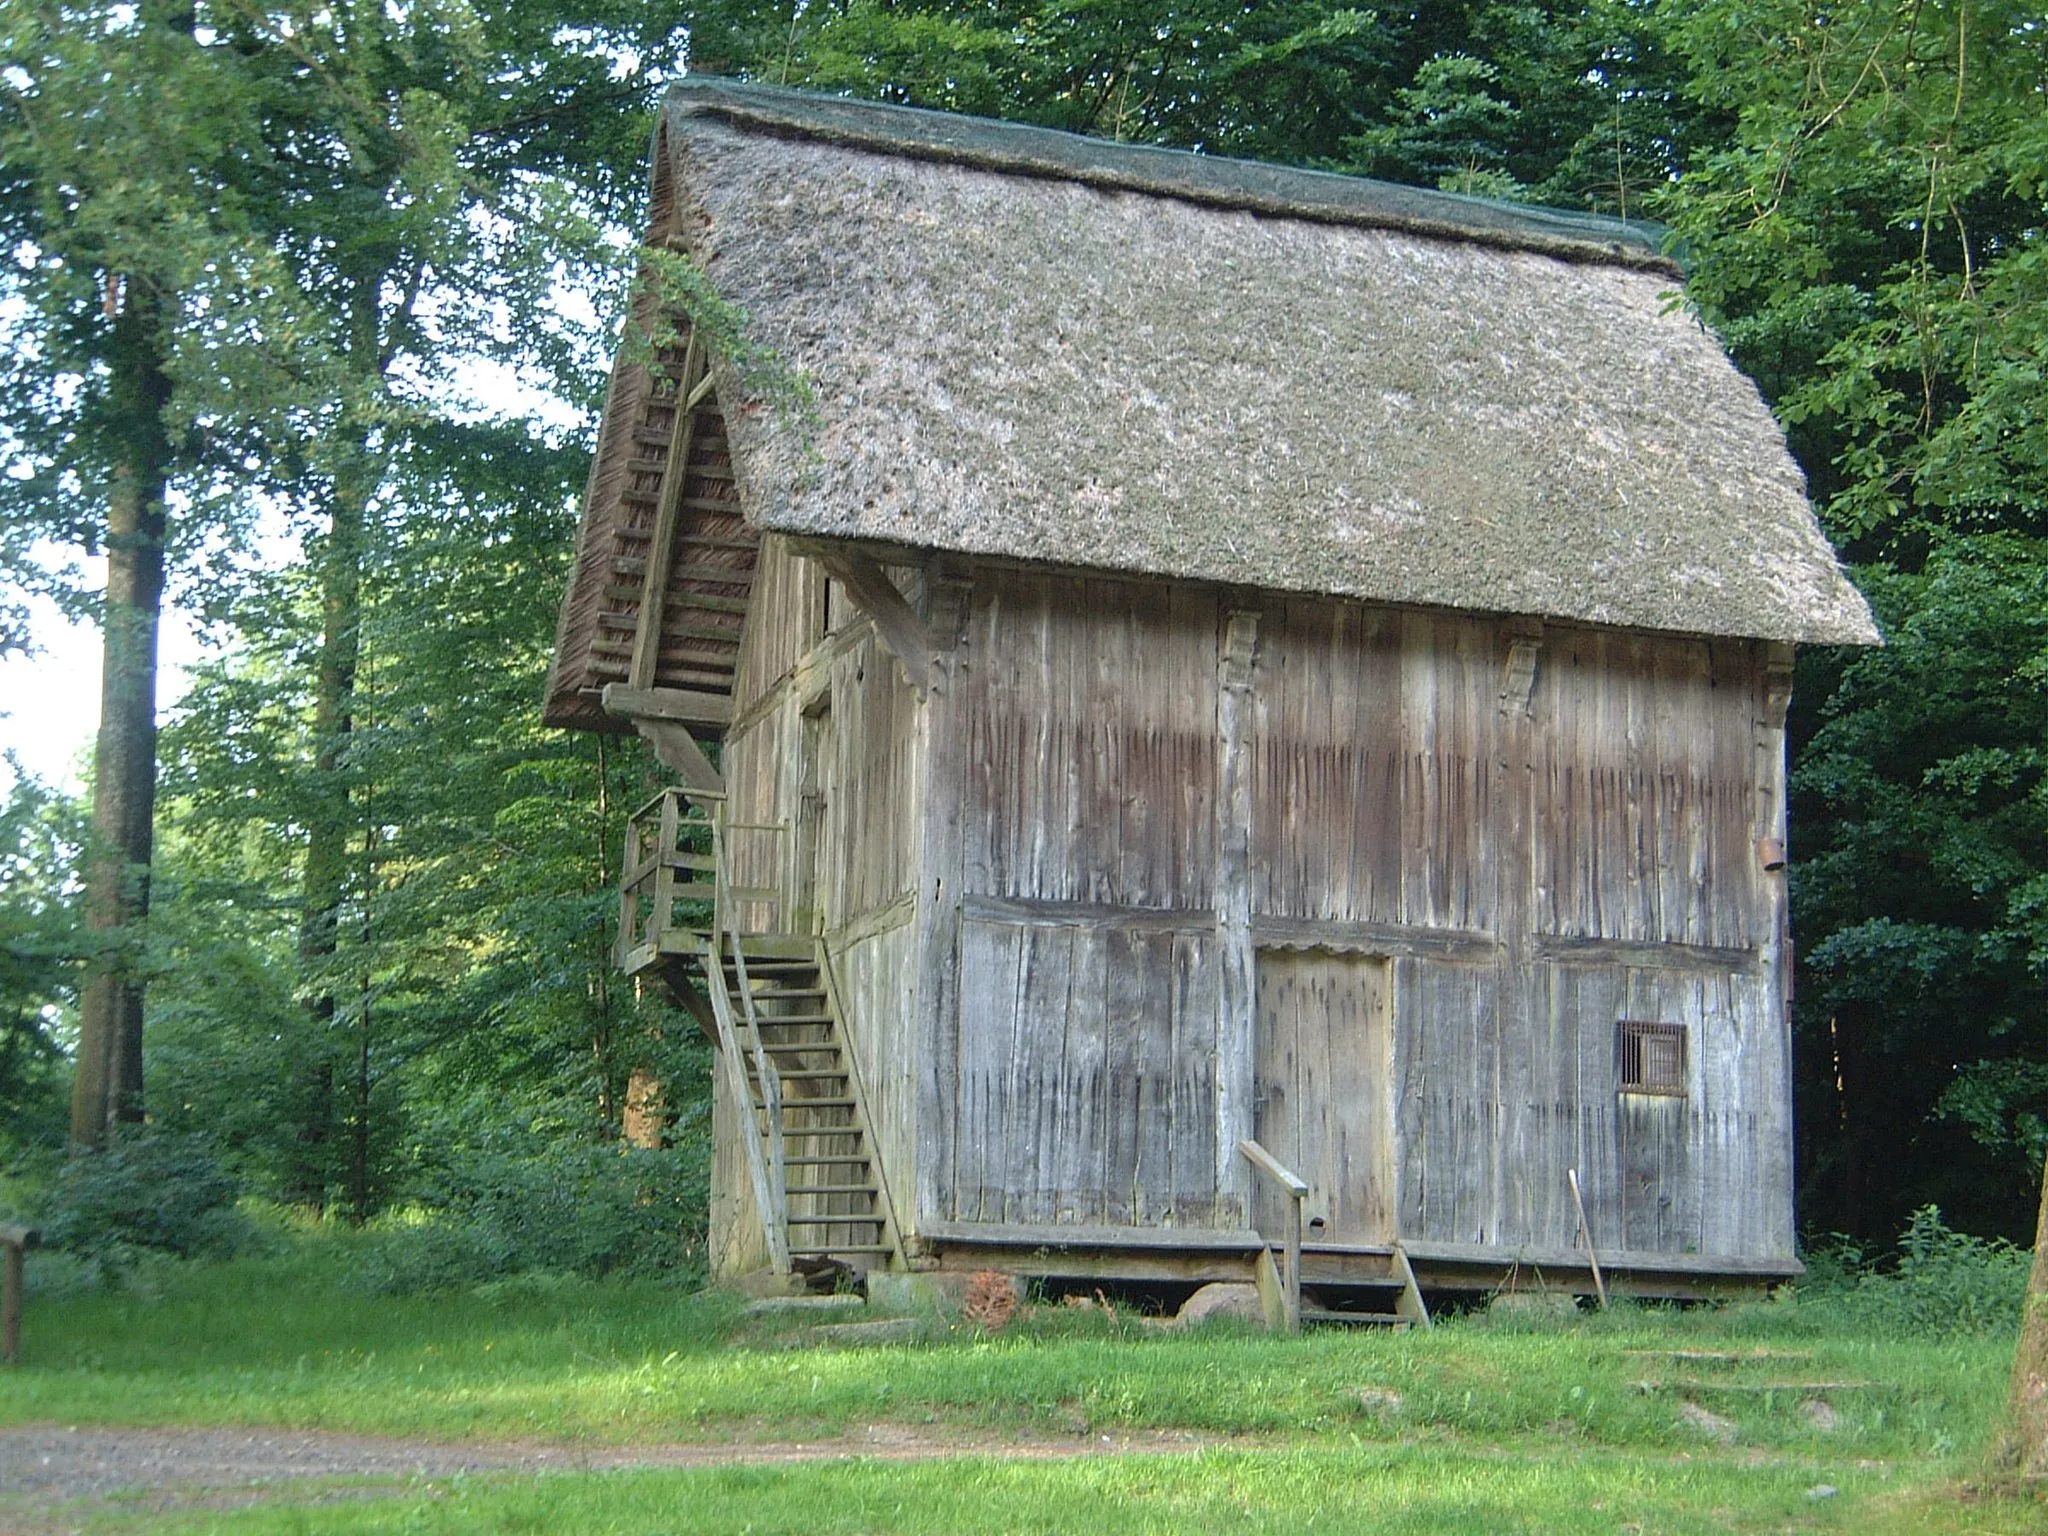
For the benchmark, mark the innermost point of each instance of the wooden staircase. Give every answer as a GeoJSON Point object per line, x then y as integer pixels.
{"type": "Point", "coordinates": [767, 1003]}
{"type": "Point", "coordinates": [809, 1111]}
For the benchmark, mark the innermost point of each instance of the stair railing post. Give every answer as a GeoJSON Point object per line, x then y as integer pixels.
{"type": "Point", "coordinates": [664, 865]}
{"type": "Point", "coordinates": [734, 1065]}
{"type": "Point", "coordinates": [1294, 1260]}
{"type": "Point", "coordinates": [1296, 1191]}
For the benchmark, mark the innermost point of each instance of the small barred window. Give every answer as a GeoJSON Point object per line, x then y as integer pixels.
{"type": "Point", "coordinates": [1652, 1058]}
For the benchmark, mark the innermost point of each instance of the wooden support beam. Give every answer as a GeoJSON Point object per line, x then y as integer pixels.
{"type": "Point", "coordinates": [895, 620]}
{"type": "Point", "coordinates": [679, 706]}
{"type": "Point", "coordinates": [668, 512]}
{"type": "Point", "coordinates": [678, 751]}
{"type": "Point", "coordinates": [1236, 954]}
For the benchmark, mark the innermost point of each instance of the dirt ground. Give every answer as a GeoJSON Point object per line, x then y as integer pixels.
{"type": "Point", "coordinates": [52, 1476]}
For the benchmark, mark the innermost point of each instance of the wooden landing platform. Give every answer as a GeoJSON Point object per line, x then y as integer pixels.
{"type": "Point", "coordinates": [1199, 1255]}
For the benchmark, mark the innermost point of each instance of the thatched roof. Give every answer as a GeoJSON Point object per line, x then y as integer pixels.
{"type": "Point", "coordinates": [1028, 345]}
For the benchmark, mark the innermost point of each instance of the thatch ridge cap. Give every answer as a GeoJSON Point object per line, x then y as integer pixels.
{"type": "Point", "coordinates": [1212, 180]}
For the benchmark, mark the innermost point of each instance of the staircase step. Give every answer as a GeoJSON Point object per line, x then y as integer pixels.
{"type": "Point", "coordinates": [1326, 1318]}
{"type": "Point", "coordinates": [794, 1019]}
{"type": "Point", "coordinates": [871, 1219]}
{"type": "Point", "coordinates": [826, 1253]}
{"type": "Point", "coordinates": [808, 1072]}
{"type": "Point", "coordinates": [844, 1159]}
{"type": "Point", "coordinates": [831, 1189]}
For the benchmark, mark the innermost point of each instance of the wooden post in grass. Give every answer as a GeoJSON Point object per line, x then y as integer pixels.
{"type": "Point", "coordinates": [14, 1241]}
{"type": "Point", "coordinates": [2024, 1447]}
{"type": "Point", "coordinates": [1586, 1237]}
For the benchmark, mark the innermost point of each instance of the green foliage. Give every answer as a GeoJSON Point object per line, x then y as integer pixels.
{"type": "Point", "coordinates": [1923, 811]}
{"type": "Point", "coordinates": [1941, 1284]}
{"type": "Point", "coordinates": [1448, 129]}
{"type": "Point", "coordinates": [40, 833]}
{"type": "Point", "coordinates": [513, 1201]}
{"type": "Point", "coordinates": [679, 285]}
{"type": "Point", "coordinates": [1875, 219]}
{"type": "Point", "coordinates": [150, 1191]}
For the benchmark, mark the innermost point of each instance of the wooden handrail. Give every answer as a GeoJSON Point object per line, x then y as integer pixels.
{"type": "Point", "coordinates": [858, 1080]}
{"type": "Point", "coordinates": [656, 873]}
{"type": "Point", "coordinates": [1295, 1189]}
{"type": "Point", "coordinates": [772, 1183]}
{"type": "Point", "coordinates": [14, 1241]}
{"type": "Point", "coordinates": [1273, 1168]}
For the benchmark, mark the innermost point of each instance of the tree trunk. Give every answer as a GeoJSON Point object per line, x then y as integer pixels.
{"type": "Point", "coordinates": [2025, 1447]}
{"type": "Point", "coordinates": [108, 1087]}
{"type": "Point", "coordinates": [331, 823]}
{"type": "Point", "coordinates": [329, 826]}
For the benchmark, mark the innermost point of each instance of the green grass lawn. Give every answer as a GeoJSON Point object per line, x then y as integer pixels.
{"type": "Point", "coordinates": [1481, 1425]}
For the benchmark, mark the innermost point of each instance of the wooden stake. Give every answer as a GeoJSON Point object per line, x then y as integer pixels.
{"type": "Point", "coordinates": [14, 1241]}
{"type": "Point", "coordinates": [1586, 1236]}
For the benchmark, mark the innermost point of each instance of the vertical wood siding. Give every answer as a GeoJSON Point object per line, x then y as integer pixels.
{"type": "Point", "coordinates": [1533, 869]}
{"type": "Point", "coordinates": [1087, 1086]}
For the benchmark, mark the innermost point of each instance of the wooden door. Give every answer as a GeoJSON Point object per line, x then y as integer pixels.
{"type": "Point", "coordinates": [810, 878]}
{"type": "Point", "coordinates": [1324, 1102]}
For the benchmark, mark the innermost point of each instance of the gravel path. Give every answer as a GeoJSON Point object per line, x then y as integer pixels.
{"type": "Point", "coordinates": [42, 1466]}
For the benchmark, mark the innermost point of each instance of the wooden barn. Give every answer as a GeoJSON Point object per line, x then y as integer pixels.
{"type": "Point", "coordinates": [1240, 695]}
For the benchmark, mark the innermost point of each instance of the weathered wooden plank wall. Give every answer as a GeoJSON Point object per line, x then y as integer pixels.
{"type": "Point", "coordinates": [1084, 1087]}
{"type": "Point", "coordinates": [1541, 855]}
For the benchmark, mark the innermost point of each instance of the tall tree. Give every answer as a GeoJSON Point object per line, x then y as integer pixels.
{"type": "Point", "coordinates": [1870, 237]}
{"type": "Point", "coordinates": [415, 177]}
{"type": "Point", "coordinates": [109, 124]}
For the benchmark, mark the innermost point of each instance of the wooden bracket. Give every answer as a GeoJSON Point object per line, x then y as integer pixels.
{"type": "Point", "coordinates": [678, 750]}
{"type": "Point", "coordinates": [1777, 686]}
{"type": "Point", "coordinates": [1518, 677]}
{"type": "Point", "coordinates": [664, 716]}
{"type": "Point", "coordinates": [896, 622]}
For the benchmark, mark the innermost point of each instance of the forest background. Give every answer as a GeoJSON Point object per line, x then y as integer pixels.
{"type": "Point", "coordinates": [282, 283]}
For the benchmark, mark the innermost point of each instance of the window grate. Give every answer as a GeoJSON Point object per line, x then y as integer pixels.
{"type": "Point", "coordinates": [1652, 1058]}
